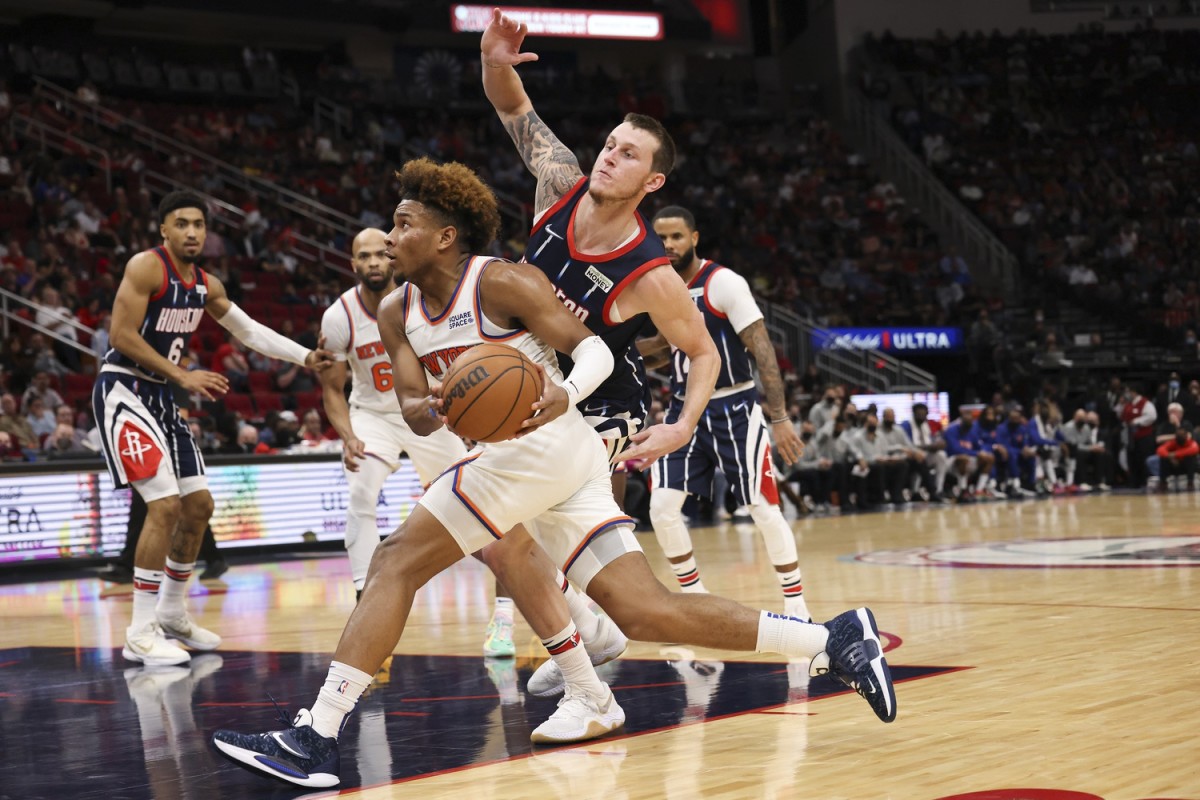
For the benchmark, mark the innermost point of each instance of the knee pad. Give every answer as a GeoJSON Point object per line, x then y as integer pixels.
{"type": "Point", "coordinates": [776, 532]}
{"type": "Point", "coordinates": [666, 515]}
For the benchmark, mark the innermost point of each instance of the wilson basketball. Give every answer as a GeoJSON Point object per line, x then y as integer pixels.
{"type": "Point", "coordinates": [488, 391]}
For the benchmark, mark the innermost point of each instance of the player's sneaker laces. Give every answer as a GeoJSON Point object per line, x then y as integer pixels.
{"type": "Point", "coordinates": [297, 755]}
{"type": "Point", "coordinates": [610, 643]}
{"type": "Point", "coordinates": [188, 632]}
{"type": "Point", "coordinates": [499, 641]}
{"type": "Point", "coordinates": [856, 659]}
{"type": "Point", "coordinates": [148, 645]}
{"type": "Point", "coordinates": [579, 717]}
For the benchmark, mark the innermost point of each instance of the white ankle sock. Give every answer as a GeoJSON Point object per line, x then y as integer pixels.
{"type": "Point", "coordinates": [789, 637]}
{"type": "Point", "coordinates": [174, 588]}
{"type": "Point", "coordinates": [791, 583]}
{"type": "Point", "coordinates": [584, 618]}
{"type": "Point", "coordinates": [343, 686]}
{"type": "Point", "coordinates": [688, 576]}
{"type": "Point", "coordinates": [146, 584]}
{"type": "Point", "coordinates": [573, 661]}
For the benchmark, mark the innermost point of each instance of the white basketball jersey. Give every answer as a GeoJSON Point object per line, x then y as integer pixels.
{"type": "Point", "coordinates": [438, 340]}
{"type": "Point", "coordinates": [350, 329]}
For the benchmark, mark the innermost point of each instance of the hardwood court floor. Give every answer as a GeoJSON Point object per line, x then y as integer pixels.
{"type": "Point", "coordinates": [1079, 677]}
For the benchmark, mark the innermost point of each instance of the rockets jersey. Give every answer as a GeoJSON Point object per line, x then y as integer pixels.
{"type": "Point", "coordinates": [728, 307]}
{"type": "Point", "coordinates": [172, 315]}
{"type": "Point", "coordinates": [352, 332]}
{"type": "Point", "coordinates": [439, 340]}
{"type": "Point", "coordinates": [588, 285]}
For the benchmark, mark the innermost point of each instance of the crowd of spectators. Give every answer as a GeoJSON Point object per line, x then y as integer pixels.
{"type": "Point", "coordinates": [1077, 150]}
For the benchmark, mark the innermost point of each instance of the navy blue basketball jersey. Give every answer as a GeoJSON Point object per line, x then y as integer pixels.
{"type": "Point", "coordinates": [172, 315]}
{"type": "Point", "coordinates": [588, 285]}
{"type": "Point", "coordinates": [735, 358]}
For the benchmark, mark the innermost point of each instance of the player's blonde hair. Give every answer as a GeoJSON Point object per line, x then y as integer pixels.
{"type": "Point", "coordinates": [455, 191]}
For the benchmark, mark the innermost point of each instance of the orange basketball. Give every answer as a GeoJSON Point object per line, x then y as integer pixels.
{"type": "Point", "coordinates": [488, 391]}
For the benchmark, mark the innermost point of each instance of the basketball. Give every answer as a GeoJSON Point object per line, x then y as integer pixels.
{"type": "Point", "coordinates": [488, 391]}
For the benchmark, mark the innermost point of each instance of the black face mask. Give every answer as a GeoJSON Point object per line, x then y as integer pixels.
{"type": "Point", "coordinates": [1180, 440]}
{"type": "Point", "coordinates": [1012, 426]}
{"type": "Point", "coordinates": [870, 429]}
{"type": "Point", "coordinates": [988, 424]}
{"type": "Point", "coordinates": [828, 401]}
{"type": "Point", "coordinates": [851, 421]}
{"type": "Point", "coordinates": [887, 426]}
{"type": "Point", "coordinates": [804, 437]}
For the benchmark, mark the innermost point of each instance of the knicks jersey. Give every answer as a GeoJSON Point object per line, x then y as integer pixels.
{"type": "Point", "coordinates": [589, 285]}
{"type": "Point", "coordinates": [351, 330]}
{"type": "Point", "coordinates": [439, 339]}
{"type": "Point", "coordinates": [717, 290]}
{"type": "Point", "coordinates": [172, 315]}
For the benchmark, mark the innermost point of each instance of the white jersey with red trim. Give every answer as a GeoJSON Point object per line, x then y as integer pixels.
{"type": "Point", "coordinates": [352, 335]}
{"type": "Point", "coordinates": [438, 340]}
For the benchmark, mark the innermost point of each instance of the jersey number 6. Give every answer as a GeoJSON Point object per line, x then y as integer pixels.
{"type": "Point", "coordinates": [382, 373]}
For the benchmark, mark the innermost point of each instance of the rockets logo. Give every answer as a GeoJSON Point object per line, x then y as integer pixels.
{"type": "Point", "coordinates": [140, 456]}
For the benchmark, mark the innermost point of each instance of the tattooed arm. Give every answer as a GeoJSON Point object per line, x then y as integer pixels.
{"type": "Point", "coordinates": [554, 165]}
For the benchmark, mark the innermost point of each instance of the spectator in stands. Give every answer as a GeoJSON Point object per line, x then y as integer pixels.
{"type": "Point", "coordinates": [1045, 434]}
{"type": "Point", "coordinates": [58, 319]}
{"type": "Point", "coordinates": [1022, 454]}
{"type": "Point", "coordinates": [246, 442]}
{"type": "Point", "coordinates": [1085, 453]}
{"type": "Point", "coordinates": [40, 389]}
{"type": "Point", "coordinates": [814, 470]}
{"type": "Point", "coordinates": [41, 419]}
{"type": "Point", "coordinates": [16, 360]}
{"type": "Point", "coordinates": [1139, 415]}
{"type": "Point", "coordinates": [1173, 392]}
{"type": "Point", "coordinates": [286, 431]}
{"type": "Point", "coordinates": [17, 427]}
{"type": "Point", "coordinates": [1178, 457]}
{"type": "Point", "coordinates": [312, 429]}
{"type": "Point", "coordinates": [1164, 432]}
{"type": "Point", "coordinates": [825, 411]}
{"type": "Point", "coordinates": [45, 359]}
{"type": "Point", "coordinates": [9, 449]}
{"type": "Point", "coordinates": [931, 465]}
{"type": "Point", "coordinates": [897, 453]}
{"type": "Point", "coordinates": [100, 339]}
{"type": "Point", "coordinates": [66, 439]}
{"type": "Point", "coordinates": [230, 360]}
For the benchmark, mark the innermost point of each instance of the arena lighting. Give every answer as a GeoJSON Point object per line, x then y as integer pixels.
{"type": "Point", "coordinates": [575, 23]}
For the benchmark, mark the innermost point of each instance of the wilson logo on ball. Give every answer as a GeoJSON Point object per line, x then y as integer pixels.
{"type": "Point", "coordinates": [471, 379]}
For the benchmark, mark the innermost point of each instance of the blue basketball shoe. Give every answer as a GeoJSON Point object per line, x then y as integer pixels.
{"type": "Point", "coordinates": [297, 755]}
{"type": "Point", "coordinates": [856, 659]}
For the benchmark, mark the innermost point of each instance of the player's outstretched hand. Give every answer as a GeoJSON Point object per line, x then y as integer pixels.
{"type": "Point", "coordinates": [653, 443]}
{"type": "Point", "coordinates": [352, 450]}
{"type": "Point", "coordinates": [207, 384]}
{"type": "Point", "coordinates": [553, 403]}
{"type": "Point", "coordinates": [501, 42]}
{"type": "Point", "coordinates": [787, 442]}
{"type": "Point", "coordinates": [319, 359]}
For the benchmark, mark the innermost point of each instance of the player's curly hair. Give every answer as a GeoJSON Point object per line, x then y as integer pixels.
{"type": "Point", "coordinates": [457, 193]}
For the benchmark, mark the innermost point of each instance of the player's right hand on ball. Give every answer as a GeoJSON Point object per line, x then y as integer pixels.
{"type": "Point", "coordinates": [553, 403]}
{"type": "Point", "coordinates": [206, 384]}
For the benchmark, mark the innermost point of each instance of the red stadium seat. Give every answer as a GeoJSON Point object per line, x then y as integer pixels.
{"type": "Point", "coordinates": [267, 401]}
{"type": "Point", "coordinates": [239, 404]}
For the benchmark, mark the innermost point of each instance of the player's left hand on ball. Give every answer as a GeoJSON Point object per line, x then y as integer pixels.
{"type": "Point", "coordinates": [553, 403]}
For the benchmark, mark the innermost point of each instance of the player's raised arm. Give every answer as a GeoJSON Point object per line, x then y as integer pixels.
{"type": "Point", "coordinates": [257, 336]}
{"type": "Point", "coordinates": [661, 294]}
{"type": "Point", "coordinates": [554, 165]}
{"type": "Point", "coordinates": [143, 277]}
{"type": "Point", "coordinates": [522, 292]}
{"type": "Point", "coordinates": [419, 406]}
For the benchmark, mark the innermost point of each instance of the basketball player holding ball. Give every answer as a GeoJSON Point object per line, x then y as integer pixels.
{"type": "Point", "coordinates": [553, 478]}
{"type": "Point", "coordinates": [371, 427]}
